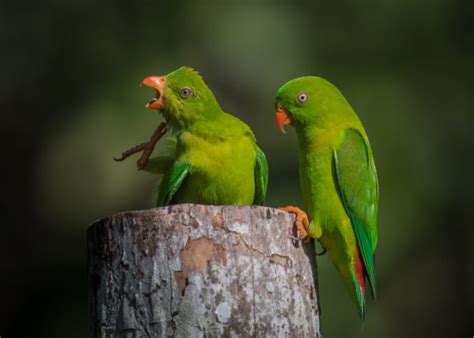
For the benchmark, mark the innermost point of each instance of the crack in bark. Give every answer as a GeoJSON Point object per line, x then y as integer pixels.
{"type": "Point", "coordinates": [170, 275]}
{"type": "Point", "coordinates": [253, 288]}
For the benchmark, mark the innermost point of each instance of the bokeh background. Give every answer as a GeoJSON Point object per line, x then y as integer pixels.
{"type": "Point", "coordinates": [70, 102]}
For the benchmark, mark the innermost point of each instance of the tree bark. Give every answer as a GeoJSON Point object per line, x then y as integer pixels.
{"type": "Point", "coordinates": [200, 271]}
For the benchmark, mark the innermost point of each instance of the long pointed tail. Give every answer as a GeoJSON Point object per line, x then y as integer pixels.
{"type": "Point", "coordinates": [359, 284]}
{"type": "Point", "coordinates": [353, 274]}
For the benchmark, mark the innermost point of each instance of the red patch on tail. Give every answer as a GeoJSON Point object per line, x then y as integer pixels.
{"type": "Point", "coordinates": [359, 270]}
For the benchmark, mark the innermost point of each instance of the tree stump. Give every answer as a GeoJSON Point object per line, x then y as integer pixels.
{"type": "Point", "coordinates": [200, 271]}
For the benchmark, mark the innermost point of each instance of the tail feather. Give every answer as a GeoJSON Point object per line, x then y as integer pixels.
{"type": "Point", "coordinates": [359, 283]}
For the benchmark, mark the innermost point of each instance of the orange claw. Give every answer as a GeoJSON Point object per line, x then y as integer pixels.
{"type": "Point", "coordinates": [301, 221]}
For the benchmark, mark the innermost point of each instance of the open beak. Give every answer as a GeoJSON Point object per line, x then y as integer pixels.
{"type": "Point", "coordinates": [282, 118]}
{"type": "Point", "coordinates": [158, 84]}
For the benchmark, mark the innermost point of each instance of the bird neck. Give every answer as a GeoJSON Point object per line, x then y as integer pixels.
{"type": "Point", "coordinates": [306, 137]}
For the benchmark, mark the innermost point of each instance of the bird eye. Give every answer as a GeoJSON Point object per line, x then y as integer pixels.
{"type": "Point", "coordinates": [302, 97]}
{"type": "Point", "coordinates": [186, 92]}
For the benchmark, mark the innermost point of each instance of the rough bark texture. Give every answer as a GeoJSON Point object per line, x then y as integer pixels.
{"type": "Point", "coordinates": [200, 271]}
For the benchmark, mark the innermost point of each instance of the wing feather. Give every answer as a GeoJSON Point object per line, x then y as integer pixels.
{"type": "Point", "coordinates": [358, 188]}
{"type": "Point", "coordinates": [171, 182]}
{"type": "Point", "coordinates": [261, 177]}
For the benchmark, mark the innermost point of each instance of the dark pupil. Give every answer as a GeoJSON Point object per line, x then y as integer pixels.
{"type": "Point", "coordinates": [185, 92]}
{"type": "Point", "coordinates": [302, 97]}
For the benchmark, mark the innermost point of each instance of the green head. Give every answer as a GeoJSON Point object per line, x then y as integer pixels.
{"type": "Point", "coordinates": [182, 97]}
{"type": "Point", "coordinates": [310, 101]}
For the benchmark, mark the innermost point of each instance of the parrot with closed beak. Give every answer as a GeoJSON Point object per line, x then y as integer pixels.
{"type": "Point", "coordinates": [338, 179]}
{"type": "Point", "coordinates": [215, 158]}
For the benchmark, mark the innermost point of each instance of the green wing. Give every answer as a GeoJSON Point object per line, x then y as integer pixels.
{"type": "Point", "coordinates": [358, 187]}
{"type": "Point", "coordinates": [171, 182]}
{"type": "Point", "coordinates": [261, 177]}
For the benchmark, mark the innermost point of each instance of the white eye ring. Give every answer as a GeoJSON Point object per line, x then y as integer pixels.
{"type": "Point", "coordinates": [302, 97]}
{"type": "Point", "coordinates": [186, 92]}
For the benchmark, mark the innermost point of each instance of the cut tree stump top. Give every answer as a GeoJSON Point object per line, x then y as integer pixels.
{"type": "Point", "coordinates": [200, 271]}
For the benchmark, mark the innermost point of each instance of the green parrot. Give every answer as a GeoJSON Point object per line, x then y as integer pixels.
{"type": "Point", "coordinates": [215, 158]}
{"type": "Point", "coordinates": [337, 176]}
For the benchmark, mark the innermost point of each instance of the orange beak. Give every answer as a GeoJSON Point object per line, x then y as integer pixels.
{"type": "Point", "coordinates": [158, 84]}
{"type": "Point", "coordinates": [282, 118]}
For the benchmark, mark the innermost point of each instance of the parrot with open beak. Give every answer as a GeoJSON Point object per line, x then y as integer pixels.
{"type": "Point", "coordinates": [215, 159]}
{"type": "Point", "coordinates": [338, 179]}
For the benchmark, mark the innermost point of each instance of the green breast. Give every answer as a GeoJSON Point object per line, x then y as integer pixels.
{"type": "Point", "coordinates": [222, 170]}
{"type": "Point", "coordinates": [318, 185]}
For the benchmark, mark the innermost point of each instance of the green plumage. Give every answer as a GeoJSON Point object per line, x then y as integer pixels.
{"type": "Point", "coordinates": [338, 179]}
{"type": "Point", "coordinates": [215, 159]}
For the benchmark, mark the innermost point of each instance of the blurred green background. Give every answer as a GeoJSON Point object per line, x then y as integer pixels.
{"type": "Point", "coordinates": [70, 102]}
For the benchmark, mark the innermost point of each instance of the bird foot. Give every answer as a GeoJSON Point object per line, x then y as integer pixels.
{"type": "Point", "coordinates": [146, 147]}
{"type": "Point", "coordinates": [301, 222]}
